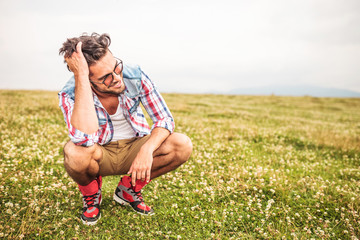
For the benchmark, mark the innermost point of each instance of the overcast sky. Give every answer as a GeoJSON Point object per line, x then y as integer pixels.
{"type": "Point", "coordinates": [189, 46]}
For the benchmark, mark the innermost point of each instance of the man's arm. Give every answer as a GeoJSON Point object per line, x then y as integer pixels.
{"type": "Point", "coordinates": [84, 116]}
{"type": "Point", "coordinates": [155, 105]}
{"type": "Point", "coordinates": [141, 167]}
{"type": "Point", "coordinates": [163, 126]}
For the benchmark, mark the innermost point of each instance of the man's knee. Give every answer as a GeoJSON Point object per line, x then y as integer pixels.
{"type": "Point", "coordinates": [77, 158]}
{"type": "Point", "coordinates": [183, 147]}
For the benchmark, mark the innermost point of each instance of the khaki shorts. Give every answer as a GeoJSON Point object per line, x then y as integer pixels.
{"type": "Point", "coordinates": [118, 156]}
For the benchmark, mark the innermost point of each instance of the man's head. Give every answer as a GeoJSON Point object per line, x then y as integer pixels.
{"type": "Point", "coordinates": [105, 71]}
{"type": "Point", "coordinates": [94, 47]}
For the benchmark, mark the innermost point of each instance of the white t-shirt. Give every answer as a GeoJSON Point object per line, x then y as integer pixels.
{"type": "Point", "coordinates": [122, 128]}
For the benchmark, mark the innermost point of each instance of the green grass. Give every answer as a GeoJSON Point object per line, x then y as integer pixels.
{"type": "Point", "coordinates": [262, 168]}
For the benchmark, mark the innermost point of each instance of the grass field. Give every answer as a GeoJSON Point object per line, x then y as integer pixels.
{"type": "Point", "coordinates": [262, 168]}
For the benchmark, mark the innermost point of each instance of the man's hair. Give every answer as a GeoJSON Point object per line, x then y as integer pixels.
{"type": "Point", "coordinates": [94, 47]}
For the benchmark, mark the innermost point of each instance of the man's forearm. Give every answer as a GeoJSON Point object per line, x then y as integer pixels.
{"type": "Point", "coordinates": [84, 116]}
{"type": "Point", "coordinates": [157, 137]}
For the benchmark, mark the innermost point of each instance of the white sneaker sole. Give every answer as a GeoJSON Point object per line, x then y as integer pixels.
{"type": "Point", "coordinates": [119, 200]}
{"type": "Point", "coordinates": [90, 223]}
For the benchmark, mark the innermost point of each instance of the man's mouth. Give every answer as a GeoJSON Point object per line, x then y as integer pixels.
{"type": "Point", "coordinates": [118, 84]}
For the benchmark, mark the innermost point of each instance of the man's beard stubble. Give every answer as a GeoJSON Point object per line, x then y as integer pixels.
{"type": "Point", "coordinates": [105, 91]}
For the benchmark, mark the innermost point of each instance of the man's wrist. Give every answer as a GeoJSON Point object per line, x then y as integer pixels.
{"type": "Point", "coordinates": [82, 77]}
{"type": "Point", "coordinates": [148, 148]}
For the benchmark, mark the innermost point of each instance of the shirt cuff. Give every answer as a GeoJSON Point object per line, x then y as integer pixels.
{"type": "Point", "coordinates": [167, 123]}
{"type": "Point", "coordinates": [82, 139]}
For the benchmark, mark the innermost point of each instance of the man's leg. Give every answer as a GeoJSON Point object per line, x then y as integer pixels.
{"type": "Point", "coordinates": [172, 153]}
{"type": "Point", "coordinates": [82, 165]}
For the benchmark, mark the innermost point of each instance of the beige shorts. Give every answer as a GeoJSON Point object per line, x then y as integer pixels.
{"type": "Point", "coordinates": [118, 156]}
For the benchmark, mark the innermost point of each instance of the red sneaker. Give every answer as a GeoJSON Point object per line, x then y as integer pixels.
{"type": "Point", "coordinates": [126, 194]}
{"type": "Point", "coordinates": [91, 201]}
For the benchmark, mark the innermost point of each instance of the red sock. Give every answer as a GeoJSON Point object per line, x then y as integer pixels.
{"type": "Point", "coordinates": [126, 181]}
{"type": "Point", "coordinates": [90, 189]}
{"type": "Point", "coordinates": [139, 185]}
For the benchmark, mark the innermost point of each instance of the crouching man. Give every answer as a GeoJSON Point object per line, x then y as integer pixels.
{"type": "Point", "coordinates": [108, 131]}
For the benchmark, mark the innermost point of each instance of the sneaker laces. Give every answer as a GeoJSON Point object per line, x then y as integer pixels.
{"type": "Point", "coordinates": [90, 200]}
{"type": "Point", "coordinates": [138, 194]}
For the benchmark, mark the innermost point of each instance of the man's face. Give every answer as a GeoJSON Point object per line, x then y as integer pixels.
{"type": "Point", "coordinates": [105, 68]}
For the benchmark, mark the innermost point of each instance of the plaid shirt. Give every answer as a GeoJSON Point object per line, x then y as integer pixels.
{"type": "Point", "coordinates": [139, 88]}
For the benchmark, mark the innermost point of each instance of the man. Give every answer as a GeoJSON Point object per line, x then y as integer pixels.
{"type": "Point", "coordinates": [108, 132]}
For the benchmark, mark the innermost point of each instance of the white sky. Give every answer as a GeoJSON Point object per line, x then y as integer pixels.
{"type": "Point", "coordinates": [189, 46]}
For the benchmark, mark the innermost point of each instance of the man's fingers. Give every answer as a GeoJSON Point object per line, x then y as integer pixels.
{"type": "Point", "coordinates": [133, 179]}
{"type": "Point", "coordinates": [139, 174]}
{"type": "Point", "coordinates": [73, 55]}
{"type": "Point", "coordinates": [143, 175]}
{"type": "Point", "coordinates": [78, 47]}
{"type": "Point", "coordinates": [148, 176]}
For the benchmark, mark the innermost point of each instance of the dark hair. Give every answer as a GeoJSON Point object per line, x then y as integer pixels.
{"type": "Point", "coordinates": [94, 47]}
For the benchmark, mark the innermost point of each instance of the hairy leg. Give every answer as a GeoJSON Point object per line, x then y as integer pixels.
{"type": "Point", "coordinates": [172, 153]}
{"type": "Point", "coordinates": [82, 163]}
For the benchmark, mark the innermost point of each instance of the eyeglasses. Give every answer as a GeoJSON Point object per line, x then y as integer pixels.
{"type": "Point", "coordinates": [108, 79]}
